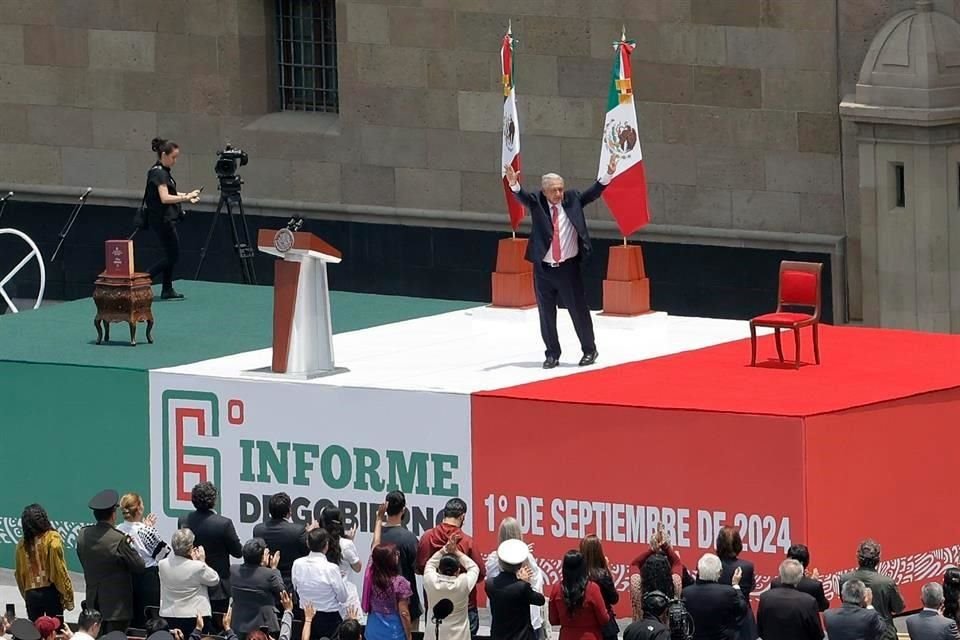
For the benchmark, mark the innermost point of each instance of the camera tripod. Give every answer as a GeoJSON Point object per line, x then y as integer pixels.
{"type": "Point", "coordinates": [231, 200]}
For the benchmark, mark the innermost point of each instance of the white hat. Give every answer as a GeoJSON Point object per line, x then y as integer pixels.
{"type": "Point", "coordinates": [513, 552]}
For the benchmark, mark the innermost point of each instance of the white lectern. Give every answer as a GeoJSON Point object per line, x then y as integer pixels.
{"type": "Point", "coordinates": [302, 331]}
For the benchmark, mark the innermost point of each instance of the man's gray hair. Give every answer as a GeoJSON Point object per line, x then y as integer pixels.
{"type": "Point", "coordinates": [509, 530]}
{"type": "Point", "coordinates": [709, 568]}
{"type": "Point", "coordinates": [182, 542]}
{"type": "Point", "coordinates": [853, 592]}
{"type": "Point", "coordinates": [790, 572]}
{"type": "Point", "coordinates": [550, 177]}
{"type": "Point", "coordinates": [931, 595]}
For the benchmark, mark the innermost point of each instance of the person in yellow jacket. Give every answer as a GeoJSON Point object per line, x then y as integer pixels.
{"type": "Point", "coordinates": [41, 569]}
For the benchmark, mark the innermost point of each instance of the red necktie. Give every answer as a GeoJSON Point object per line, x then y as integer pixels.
{"type": "Point", "coordinates": [555, 245]}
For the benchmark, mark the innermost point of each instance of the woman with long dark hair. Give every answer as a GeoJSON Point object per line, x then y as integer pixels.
{"type": "Point", "coordinates": [598, 571]}
{"type": "Point", "coordinates": [163, 203]}
{"type": "Point", "coordinates": [951, 594]}
{"type": "Point", "coordinates": [343, 552]}
{"type": "Point", "coordinates": [729, 546]}
{"type": "Point", "coordinates": [41, 570]}
{"type": "Point", "coordinates": [576, 604]}
{"type": "Point", "coordinates": [386, 596]}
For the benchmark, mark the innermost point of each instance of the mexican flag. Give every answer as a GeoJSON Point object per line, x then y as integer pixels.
{"type": "Point", "coordinates": [510, 149]}
{"type": "Point", "coordinates": [626, 195]}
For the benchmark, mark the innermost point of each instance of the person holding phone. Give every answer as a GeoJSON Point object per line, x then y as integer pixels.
{"type": "Point", "coordinates": [163, 203]}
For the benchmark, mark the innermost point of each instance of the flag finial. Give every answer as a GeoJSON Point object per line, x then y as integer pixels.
{"type": "Point", "coordinates": [510, 27]}
{"type": "Point", "coordinates": [623, 33]}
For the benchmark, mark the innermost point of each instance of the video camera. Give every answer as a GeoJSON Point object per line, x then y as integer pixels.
{"type": "Point", "coordinates": [229, 160]}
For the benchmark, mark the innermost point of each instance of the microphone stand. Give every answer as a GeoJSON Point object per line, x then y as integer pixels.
{"type": "Point", "coordinates": [437, 621]}
{"type": "Point", "coordinates": [73, 218]}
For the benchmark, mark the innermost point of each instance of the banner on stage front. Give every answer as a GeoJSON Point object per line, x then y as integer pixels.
{"type": "Point", "coordinates": [323, 445]}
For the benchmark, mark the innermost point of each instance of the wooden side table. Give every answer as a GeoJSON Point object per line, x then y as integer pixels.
{"type": "Point", "coordinates": [122, 298]}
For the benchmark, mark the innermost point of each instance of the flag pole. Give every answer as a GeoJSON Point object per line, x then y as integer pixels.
{"type": "Point", "coordinates": [624, 240]}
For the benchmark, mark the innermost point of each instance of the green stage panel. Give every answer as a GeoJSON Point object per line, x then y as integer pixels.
{"type": "Point", "coordinates": [68, 432]}
{"type": "Point", "coordinates": [214, 321]}
{"type": "Point", "coordinates": [74, 416]}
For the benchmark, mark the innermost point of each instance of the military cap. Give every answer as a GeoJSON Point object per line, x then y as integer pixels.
{"type": "Point", "coordinates": [106, 499]}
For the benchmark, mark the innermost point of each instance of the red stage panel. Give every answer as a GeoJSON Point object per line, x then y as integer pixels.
{"type": "Point", "coordinates": [860, 367]}
{"type": "Point", "coordinates": [582, 459]}
{"type": "Point", "coordinates": [886, 472]}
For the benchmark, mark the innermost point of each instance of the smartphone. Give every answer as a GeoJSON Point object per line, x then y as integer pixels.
{"type": "Point", "coordinates": [200, 189]}
{"type": "Point", "coordinates": [11, 613]}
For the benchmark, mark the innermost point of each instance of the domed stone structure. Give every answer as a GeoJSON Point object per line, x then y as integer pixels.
{"type": "Point", "coordinates": [907, 112]}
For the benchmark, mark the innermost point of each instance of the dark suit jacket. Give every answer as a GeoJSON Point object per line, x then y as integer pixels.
{"type": "Point", "coordinates": [853, 622]}
{"type": "Point", "coordinates": [811, 587]}
{"type": "Point", "coordinates": [109, 562]}
{"type": "Point", "coordinates": [649, 628]}
{"type": "Point", "coordinates": [717, 610]}
{"type": "Point", "coordinates": [928, 625]}
{"type": "Point", "coordinates": [510, 600]}
{"type": "Point", "coordinates": [218, 537]}
{"type": "Point", "coordinates": [748, 583]}
{"type": "Point", "coordinates": [289, 539]}
{"type": "Point", "coordinates": [886, 596]}
{"type": "Point", "coordinates": [788, 614]}
{"type": "Point", "coordinates": [255, 591]}
{"type": "Point", "coordinates": [541, 234]}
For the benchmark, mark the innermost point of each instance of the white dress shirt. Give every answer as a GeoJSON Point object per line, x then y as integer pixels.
{"type": "Point", "coordinates": [183, 587]}
{"type": "Point", "coordinates": [536, 582]}
{"type": "Point", "coordinates": [318, 581]}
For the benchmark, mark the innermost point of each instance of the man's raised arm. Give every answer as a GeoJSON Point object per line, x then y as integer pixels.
{"type": "Point", "coordinates": [513, 179]}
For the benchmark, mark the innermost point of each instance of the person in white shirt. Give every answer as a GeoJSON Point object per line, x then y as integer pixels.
{"type": "Point", "coordinates": [443, 580]}
{"type": "Point", "coordinates": [184, 582]}
{"type": "Point", "coordinates": [343, 553]}
{"type": "Point", "coordinates": [319, 583]}
{"type": "Point", "coordinates": [88, 625]}
{"type": "Point", "coordinates": [510, 530]}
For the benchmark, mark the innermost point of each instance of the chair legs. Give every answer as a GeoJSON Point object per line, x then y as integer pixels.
{"type": "Point", "coordinates": [816, 342]}
{"type": "Point", "coordinates": [776, 333]}
{"type": "Point", "coordinates": [753, 345]}
{"type": "Point", "coordinates": [796, 341]}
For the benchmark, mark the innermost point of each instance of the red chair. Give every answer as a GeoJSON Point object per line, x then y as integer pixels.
{"type": "Point", "coordinates": [799, 287]}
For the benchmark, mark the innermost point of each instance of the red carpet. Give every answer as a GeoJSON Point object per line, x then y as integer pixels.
{"type": "Point", "coordinates": [860, 367]}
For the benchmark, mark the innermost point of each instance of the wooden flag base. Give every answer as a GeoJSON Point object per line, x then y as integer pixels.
{"type": "Point", "coordinates": [513, 279]}
{"type": "Point", "coordinates": [626, 290]}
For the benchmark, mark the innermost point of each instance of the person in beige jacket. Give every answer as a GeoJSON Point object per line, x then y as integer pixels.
{"type": "Point", "coordinates": [450, 575]}
{"type": "Point", "coordinates": [185, 579]}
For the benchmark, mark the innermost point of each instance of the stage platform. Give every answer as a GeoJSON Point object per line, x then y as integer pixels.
{"type": "Point", "coordinates": [447, 399]}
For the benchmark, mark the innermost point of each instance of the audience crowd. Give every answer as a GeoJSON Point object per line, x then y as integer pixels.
{"type": "Point", "coordinates": [312, 580]}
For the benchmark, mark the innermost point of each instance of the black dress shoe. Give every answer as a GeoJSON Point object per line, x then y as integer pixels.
{"type": "Point", "coordinates": [550, 362]}
{"type": "Point", "coordinates": [589, 358]}
{"type": "Point", "coordinates": [170, 294]}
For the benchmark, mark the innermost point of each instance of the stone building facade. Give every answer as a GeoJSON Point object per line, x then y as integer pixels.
{"type": "Point", "coordinates": [738, 107]}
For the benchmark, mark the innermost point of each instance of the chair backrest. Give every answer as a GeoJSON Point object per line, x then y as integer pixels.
{"type": "Point", "coordinates": [800, 285]}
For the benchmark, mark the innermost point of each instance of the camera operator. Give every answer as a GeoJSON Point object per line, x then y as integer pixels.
{"type": "Point", "coordinates": [163, 203]}
{"type": "Point", "coordinates": [653, 625]}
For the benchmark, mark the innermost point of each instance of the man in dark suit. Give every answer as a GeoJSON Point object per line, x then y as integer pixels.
{"type": "Point", "coordinates": [284, 536]}
{"type": "Point", "coordinates": [218, 537]}
{"type": "Point", "coordinates": [930, 624]}
{"type": "Point", "coordinates": [255, 587]}
{"type": "Point", "coordinates": [856, 619]}
{"type": "Point", "coordinates": [886, 597]}
{"type": "Point", "coordinates": [510, 595]}
{"type": "Point", "coordinates": [109, 562]}
{"type": "Point", "coordinates": [717, 609]}
{"type": "Point", "coordinates": [559, 243]}
{"type": "Point", "coordinates": [809, 585]}
{"type": "Point", "coordinates": [787, 613]}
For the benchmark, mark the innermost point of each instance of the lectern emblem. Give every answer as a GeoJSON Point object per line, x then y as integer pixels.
{"type": "Point", "coordinates": [283, 241]}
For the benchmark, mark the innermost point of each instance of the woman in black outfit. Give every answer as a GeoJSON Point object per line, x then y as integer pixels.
{"type": "Point", "coordinates": [951, 594]}
{"type": "Point", "coordinates": [162, 202]}
{"type": "Point", "coordinates": [729, 546]}
{"type": "Point", "coordinates": [598, 570]}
